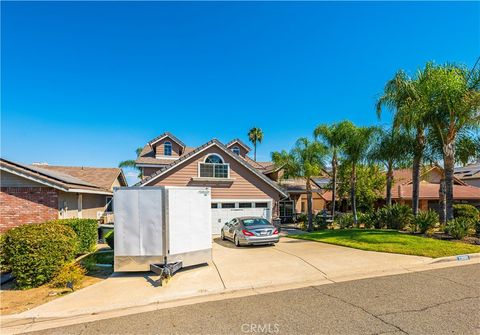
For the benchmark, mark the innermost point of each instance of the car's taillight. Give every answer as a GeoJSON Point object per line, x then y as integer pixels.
{"type": "Point", "coordinates": [247, 233]}
{"type": "Point", "coordinates": [275, 232]}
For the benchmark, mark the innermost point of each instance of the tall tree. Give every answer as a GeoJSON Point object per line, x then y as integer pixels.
{"type": "Point", "coordinates": [130, 163]}
{"type": "Point", "coordinates": [333, 136]}
{"type": "Point", "coordinates": [356, 150]}
{"type": "Point", "coordinates": [402, 95]}
{"type": "Point", "coordinates": [392, 148]}
{"type": "Point", "coordinates": [305, 160]}
{"type": "Point", "coordinates": [453, 100]}
{"type": "Point", "coordinates": [255, 135]}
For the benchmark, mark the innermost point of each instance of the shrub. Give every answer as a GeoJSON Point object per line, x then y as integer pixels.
{"type": "Point", "coordinates": [69, 274]}
{"type": "Point", "coordinates": [110, 239]}
{"type": "Point", "coordinates": [368, 219]}
{"type": "Point", "coordinates": [345, 221]}
{"type": "Point", "coordinates": [396, 216]}
{"type": "Point", "coordinates": [320, 222]}
{"type": "Point", "coordinates": [4, 267]}
{"type": "Point", "coordinates": [458, 228]}
{"type": "Point", "coordinates": [86, 230]}
{"type": "Point", "coordinates": [424, 221]}
{"type": "Point", "coordinates": [302, 218]}
{"type": "Point", "coordinates": [468, 212]}
{"type": "Point", "coordinates": [36, 252]}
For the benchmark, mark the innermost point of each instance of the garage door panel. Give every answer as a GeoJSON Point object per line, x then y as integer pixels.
{"type": "Point", "coordinates": [220, 216]}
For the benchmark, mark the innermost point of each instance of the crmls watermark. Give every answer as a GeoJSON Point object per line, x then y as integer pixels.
{"type": "Point", "coordinates": [266, 328]}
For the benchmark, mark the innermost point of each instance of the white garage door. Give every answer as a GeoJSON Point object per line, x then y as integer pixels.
{"type": "Point", "coordinates": [224, 211]}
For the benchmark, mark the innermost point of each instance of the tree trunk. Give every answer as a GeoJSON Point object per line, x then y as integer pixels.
{"type": "Point", "coordinates": [417, 165]}
{"type": "Point", "coordinates": [309, 206]}
{"type": "Point", "coordinates": [389, 183]}
{"type": "Point", "coordinates": [353, 184]}
{"type": "Point", "coordinates": [442, 213]}
{"type": "Point", "coordinates": [334, 183]}
{"type": "Point", "coordinates": [448, 164]}
{"type": "Point", "coordinates": [255, 151]}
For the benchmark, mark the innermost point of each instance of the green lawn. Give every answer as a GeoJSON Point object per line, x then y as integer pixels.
{"type": "Point", "coordinates": [390, 241]}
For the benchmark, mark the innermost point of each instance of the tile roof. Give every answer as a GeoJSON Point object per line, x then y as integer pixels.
{"type": "Point", "coordinates": [147, 156]}
{"type": "Point", "coordinates": [56, 179]}
{"type": "Point", "coordinates": [99, 177]}
{"type": "Point", "coordinates": [239, 142]}
{"type": "Point", "coordinates": [226, 150]}
{"type": "Point", "coordinates": [430, 191]}
{"type": "Point", "coordinates": [167, 134]}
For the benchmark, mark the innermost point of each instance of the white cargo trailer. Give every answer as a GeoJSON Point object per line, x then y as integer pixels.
{"type": "Point", "coordinates": [161, 225]}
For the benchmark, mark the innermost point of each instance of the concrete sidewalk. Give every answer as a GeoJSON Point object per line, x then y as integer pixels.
{"type": "Point", "coordinates": [234, 271]}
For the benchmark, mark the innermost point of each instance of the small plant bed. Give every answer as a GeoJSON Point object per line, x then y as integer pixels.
{"type": "Point", "coordinates": [15, 300]}
{"type": "Point", "coordinates": [390, 241]}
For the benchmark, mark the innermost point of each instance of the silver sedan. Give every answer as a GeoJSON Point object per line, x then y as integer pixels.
{"type": "Point", "coordinates": [249, 231]}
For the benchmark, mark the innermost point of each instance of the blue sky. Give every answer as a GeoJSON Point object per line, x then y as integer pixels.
{"type": "Point", "coordinates": [87, 83]}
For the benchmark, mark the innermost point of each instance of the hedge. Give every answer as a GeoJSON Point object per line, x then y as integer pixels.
{"type": "Point", "coordinates": [86, 230]}
{"type": "Point", "coordinates": [35, 252]}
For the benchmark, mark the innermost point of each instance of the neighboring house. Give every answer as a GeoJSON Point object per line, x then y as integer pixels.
{"type": "Point", "coordinates": [37, 193]}
{"type": "Point", "coordinates": [430, 179]}
{"type": "Point", "coordinates": [240, 186]}
{"type": "Point", "coordinates": [297, 203]}
{"type": "Point", "coordinates": [470, 174]}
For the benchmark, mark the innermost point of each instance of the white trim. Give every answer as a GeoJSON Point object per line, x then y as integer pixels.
{"type": "Point", "coordinates": [214, 178]}
{"type": "Point", "coordinates": [271, 183]}
{"type": "Point", "coordinates": [185, 160]}
{"type": "Point", "coordinates": [214, 154]}
{"type": "Point", "coordinates": [161, 138]}
{"type": "Point", "coordinates": [166, 157]}
{"type": "Point", "coordinates": [152, 165]}
{"type": "Point", "coordinates": [79, 190]}
{"type": "Point", "coordinates": [239, 143]}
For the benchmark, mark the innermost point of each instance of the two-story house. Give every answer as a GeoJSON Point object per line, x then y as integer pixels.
{"type": "Point", "coordinates": [240, 186]}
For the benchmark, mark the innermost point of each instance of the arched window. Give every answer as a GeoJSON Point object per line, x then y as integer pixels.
{"type": "Point", "coordinates": [236, 150]}
{"type": "Point", "coordinates": [167, 148]}
{"type": "Point", "coordinates": [215, 159]}
{"type": "Point", "coordinates": [213, 167]}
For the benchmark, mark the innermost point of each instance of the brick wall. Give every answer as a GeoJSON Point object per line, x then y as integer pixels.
{"type": "Point", "coordinates": [21, 205]}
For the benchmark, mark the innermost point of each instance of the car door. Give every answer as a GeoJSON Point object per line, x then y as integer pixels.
{"type": "Point", "coordinates": [231, 228]}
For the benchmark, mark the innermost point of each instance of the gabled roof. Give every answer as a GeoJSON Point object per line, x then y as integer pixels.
{"type": "Point", "coordinates": [404, 176]}
{"type": "Point", "coordinates": [147, 156]}
{"type": "Point", "coordinates": [169, 135]}
{"type": "Point", "coordinates": [99, 177]}
{"type": "Point", "coordinates": [431, 191]}
{"type": "Point", "coordinates": [56, 179]}
{"type": "Point", "coordinates": [198, 150]}
{"type": "Point", "coordinates": [238, 141]}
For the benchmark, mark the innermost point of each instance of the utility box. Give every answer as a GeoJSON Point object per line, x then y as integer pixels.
{"type": "Point", "coordinates": [162, 224]}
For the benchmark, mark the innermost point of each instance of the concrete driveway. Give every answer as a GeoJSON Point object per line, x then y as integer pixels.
{"type": "Point", "coordinates": [233, 272]}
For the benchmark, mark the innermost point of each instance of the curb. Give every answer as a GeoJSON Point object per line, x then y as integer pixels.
{"type": "Point", "coordinates": [457, 258]}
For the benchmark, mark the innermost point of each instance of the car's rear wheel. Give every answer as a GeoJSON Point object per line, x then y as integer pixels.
{"type": "Point", "coordinates": [237, 241]}
{"type": "Point", "coordinates": [222, 235]}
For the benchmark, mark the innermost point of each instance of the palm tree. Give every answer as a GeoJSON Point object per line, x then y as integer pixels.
{"type": "Point", "coordinates": [466, 149]}
{"type": "Point", "coordinates": [402, 95]}
{"type": "Point", "coordinates": [356, 150]}
{"type": "Point", "coordinates": [333, 136]}
{"type": "Point", "coordinates": [130, 163]}
{"type": "Point", "coordinates": [255, 135]}
{"type": "Point", "coordinates": [305, 160]}
{"type": "Point", "coordinates": [392, 148]}
{"type": "Point", "coordinates": [453, 98]}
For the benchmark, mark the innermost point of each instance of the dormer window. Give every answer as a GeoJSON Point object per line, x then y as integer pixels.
{"type": "Point", "coordinates": [214, 167]}
{"type": "Point", "coordinates": [167, 148]}
{"type": "Point", "coordinates": [236, 150]}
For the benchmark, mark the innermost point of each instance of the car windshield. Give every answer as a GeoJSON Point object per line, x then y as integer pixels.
{"type": "Point", "coordinates": [255, 222]}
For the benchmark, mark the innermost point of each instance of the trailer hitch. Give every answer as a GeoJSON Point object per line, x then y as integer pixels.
{"type": "Point", "coordinates": [165, 270]}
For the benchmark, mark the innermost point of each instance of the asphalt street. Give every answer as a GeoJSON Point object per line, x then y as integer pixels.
{"type": "Point", "coordinates": [445, 301]}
